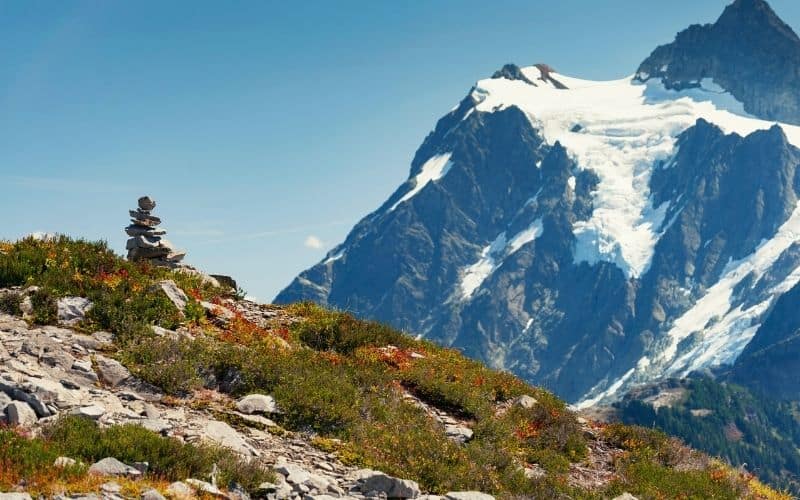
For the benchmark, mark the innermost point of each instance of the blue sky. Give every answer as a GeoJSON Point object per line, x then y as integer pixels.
{"type": "Point", "coordinates": [265, 130]}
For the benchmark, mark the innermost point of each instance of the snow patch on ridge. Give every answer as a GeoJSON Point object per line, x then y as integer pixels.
{"type": "Point", "coordinates": [706, 91]}
{"type": "Point", "coordinates": [626, 128]}
{"type": "Point", "coordinates": [719, 330]}
{"type": "Point", "coordinates": [336, 256]}
{"type": "Point", "coordinates": [492, 257]}
{"type": "Point", "coordinates": [432, 170]}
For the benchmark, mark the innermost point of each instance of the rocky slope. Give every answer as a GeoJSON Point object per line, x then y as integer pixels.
{"type": "Point", "coordinates": [590, 236]}
{"type": "Point", "coordinates": [771, 360]}
{"type": "Point", "coordinates": [52, 371]}
{"type": "Point", "coordinates": [124, 380]}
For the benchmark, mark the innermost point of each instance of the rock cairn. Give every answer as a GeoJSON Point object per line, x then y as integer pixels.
{"type": "Point", "coordinates": [146, 239]}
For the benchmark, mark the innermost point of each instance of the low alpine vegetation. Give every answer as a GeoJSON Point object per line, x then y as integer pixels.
{"type": "Point", "coordinates": [32, 459]}
{"type": "Point", "coordinates": [376, 397]}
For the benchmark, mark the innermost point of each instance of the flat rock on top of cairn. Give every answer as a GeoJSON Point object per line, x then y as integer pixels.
{"type": "Point", "coordinates": [146, 242]}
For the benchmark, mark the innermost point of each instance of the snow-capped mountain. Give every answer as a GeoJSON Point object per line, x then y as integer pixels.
{"type": "Point", "coordinates": [592, 235]}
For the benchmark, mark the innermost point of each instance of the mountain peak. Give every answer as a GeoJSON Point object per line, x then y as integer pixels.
{"type": "Point", "coordinates": [749, 52]}
{"type": "Point", "coordinates": [756, 17]}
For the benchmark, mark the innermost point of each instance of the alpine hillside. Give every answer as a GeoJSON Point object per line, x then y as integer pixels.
{"type": "Point", "coordinates": [593, 235]}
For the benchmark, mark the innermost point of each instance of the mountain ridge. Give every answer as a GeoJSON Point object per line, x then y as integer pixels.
{"type": "Point", "coordinates": [588, 236]}
{"type": "Point", "coordinates": [749, 51]}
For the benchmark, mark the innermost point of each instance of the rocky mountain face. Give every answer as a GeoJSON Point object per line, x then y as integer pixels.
{"type": "Point", "coordinates": [771, 361]}
{"type": "Point", "coordinates": [590, 236]}
{"type": "Point", "coordinates": [749, 51]}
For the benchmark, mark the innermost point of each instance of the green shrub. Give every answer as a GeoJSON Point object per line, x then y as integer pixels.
{"type": "Point", "coordinates": [126, 313]}
{"type": "Point", "coordinates": [174, 365]}
{"type": "Point", "coordinates": [195, 312]}
{"type": "Point", "coordinates": [168, 458]}
{"type": "Point", "coordinates": [326, 330]}
{"type": "Point", "coordinates": [10, 302]}
{"type": "Point", "coordinates": [45, 307]}
{"type": "Point", "coordinates": [646, 479]}
{"type": "Point", "coordinates": [30, 460]}
{"type": "Point", "coordinates": [645, 444]}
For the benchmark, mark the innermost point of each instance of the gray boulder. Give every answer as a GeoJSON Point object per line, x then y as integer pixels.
{"type": "Point", "coordinates": [225, 435]}
{"type": "Point", "coordinates": [179, 489]}
{"type": "Point", "coordinates": [152, 494]}
{"type": "Point", "coordinates": [174, 293]}
{"type": "Point", "coordinates": [15, 496]}
{"type": "Point", "coordinates": [257, 403]}
{"type": "Point", "coordinates": [110, 466]}
{"type": "Point", "coordinates": [468, 495]}
{"type": "Point", "coordinates": [64, 462]}
{"type": "Point", "coordinates": [156, 425]}
{"type": "Point", "coordinates": [20, 413]}
{"type": "Point", "coordinates": [72, 310]}
{"type": "Point", "coordinates": [206, 488]}
{"type": "Point", "coordinates": [526, 401]}
{"type": "Point", "coordinates": [93, 411]}
{"type": "Point", "coordinates": [458, 433]}
{"type": "Point", "coordinates": [111, 371]}
{"type": "Point", "coordinates": [392, 487]}
{"type": "Point", "coordinates": [294, 474]}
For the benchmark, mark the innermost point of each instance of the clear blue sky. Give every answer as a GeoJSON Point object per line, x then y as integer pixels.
{"type": "Point", "coordinates": [258, 124]}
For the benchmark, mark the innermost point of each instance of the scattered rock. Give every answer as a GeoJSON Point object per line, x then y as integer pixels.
{"type": "Point", "coordinates": [468, 495]}
{"type": "Point", "coordinates": [111, 487]}
{"type": "Point", "coordinates": [156, 425]}
{"type": "Point", "coordinates": [257, 403]}
{"type": "Point", "coordinates": [535, 471]}
{"type": "Point", "coordinates": [72, 310]}
{"type": "Point", "coordinates": [256, 421]}
{"type": "Point", "coordinates": [280, 489]}
{"type": "Point", "coordinates": [392, 487]}
{"type": "Point", "coordinates": [15, 496]}
{"type": "Point", "coordinates": [293, 473]}
{"type": "Point", "coordinates": [625, 496]}
{"type": "Point", "coordinates": [82, 365]}
{"type": "Point", "coordinates": [152, 494]}
{"type": "Point", "coordinates": [142, 467]}
{"type": "Point", "coordinates": [225, 281]}
{"type": "Point", "coordinates": [64, 462]}
{"type": "Point", "coordinates": [174, 293]}
{"type": "Point", "coordinates": [221, 313]}
{"type": "Point", "coordinates": [180, 490]}
{"type": "Point", "coordinates": [93, 412]}
{"type": "Point", "coordinates": [458, 433]}
{"type": "Point", "coordinates": [110, 466]}
{"type": "Point", "coordinates": [111, 371]}
{"type": "Point", "coordinates": [224, 435]}
{"type": "Point", "coordinates": [207, 488]}
{"type": "Point", "coordinates": [19, 413]}
{"type": "Point", "coordinates": [526, 401]}
{"type": "Point", "coordinates": [26, 306]}
{"type": "Point", "coordinates": [68, 384]}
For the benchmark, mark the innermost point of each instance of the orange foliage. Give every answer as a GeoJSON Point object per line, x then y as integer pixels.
{"type": "Point", "coordinates": [529, 430]}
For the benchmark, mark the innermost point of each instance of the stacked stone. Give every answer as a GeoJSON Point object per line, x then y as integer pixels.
{"type": "Point", "coordinates": [146, 239]}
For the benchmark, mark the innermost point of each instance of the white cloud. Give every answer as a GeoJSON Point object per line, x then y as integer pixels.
{"type": "Point", "coordinates": [313, 242]}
